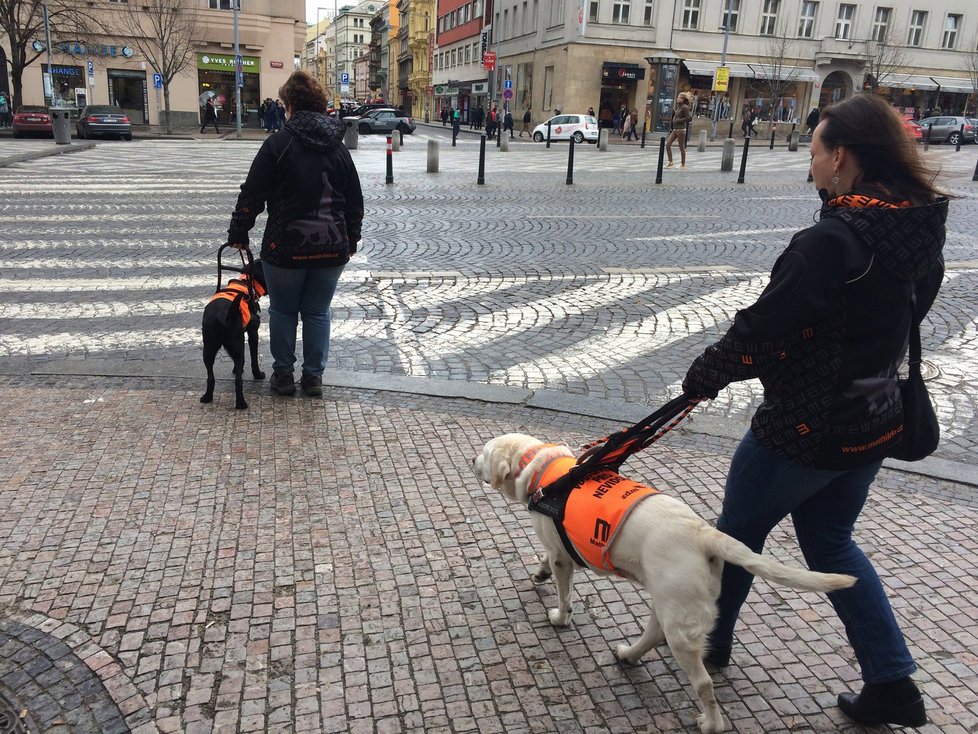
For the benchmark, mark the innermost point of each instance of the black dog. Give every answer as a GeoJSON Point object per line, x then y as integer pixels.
{"type": "Point", "coordinates": [230, 313]}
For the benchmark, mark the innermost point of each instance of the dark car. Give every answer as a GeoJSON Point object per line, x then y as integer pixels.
{"type": "Point", "coordinates": [103, 121]}
{"type": "Point", "coordinates": [32, 120]}
{"type": "Point", "coordinates": [948, 129]}
{"type": "Point", "coordinates": [385, 120]}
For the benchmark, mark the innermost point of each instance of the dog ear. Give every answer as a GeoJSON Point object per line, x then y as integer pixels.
{"type": "Point", "coordinates": [500, 472]}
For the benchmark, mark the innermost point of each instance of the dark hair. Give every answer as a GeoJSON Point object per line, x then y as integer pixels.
{"type": "Point", "coordinates": [871, 129]}
{"type": "Point", "coordinates": [303, 91]}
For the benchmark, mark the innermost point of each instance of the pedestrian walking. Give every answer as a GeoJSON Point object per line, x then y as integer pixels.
{"type": "Point", "coordinates": [526, 123]}
{"type": "Point", "coordinates": [492, 122]}
{"type": "Point", "coordinates": [508, 123]}
{"type": "Point", "coordinates": [632, 125]}
{"type": "Point", "coordinates": [210, 115]}
{"type": "Point", "coordinates": [5, 117]}
{"type": "Point", "coordinates": [626, 127]}
{"type": "Point", "coordinates": [680, 120]}
{"type": "Point", "coordinates": [456, 123]}
{"type": "Point", "coordinates": [833, 326]}
{"type": "Point", "coordinates": [812, 120]}
{"type": "Point", "coordinates": [306, 177]}
{"type": "Point", "coordinates": [444, 116]}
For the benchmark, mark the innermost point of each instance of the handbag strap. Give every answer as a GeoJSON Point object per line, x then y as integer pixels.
{"type": "Point", "coordinates": [914, 356]}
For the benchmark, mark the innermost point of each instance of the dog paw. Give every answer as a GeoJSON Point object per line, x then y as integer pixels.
{"type": "Point", "coordinates": [241, 406]}
{"type": "Point", "coordinates": [206, 398]}
{"type": "Point", "coordinates": [258, 375]}
{"type": "Point", "coordinates": [622, 653]}
{"type": "Point", "coordinates": [710, 724]}
{"type": "Point", "coordinates": [540, 577]}
{"type": "Point", "coordinates": [559, 618]}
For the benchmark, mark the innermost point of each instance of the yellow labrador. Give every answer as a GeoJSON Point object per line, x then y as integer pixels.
{"type": "Point", "coordinates": [662, 544]}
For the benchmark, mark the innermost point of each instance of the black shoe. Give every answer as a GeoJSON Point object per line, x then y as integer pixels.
{"type": "Point", "coordinates": [312, 385]}
{"type": "Point", "coordinates": [897, 703]}
{"type": "Point", "coordinates": [717, 656]}
{"type": "Point", "coordinates": [282, 383]}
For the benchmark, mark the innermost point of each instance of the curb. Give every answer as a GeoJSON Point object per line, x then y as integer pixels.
{"type": "Point", "coordinates": [56, 150]}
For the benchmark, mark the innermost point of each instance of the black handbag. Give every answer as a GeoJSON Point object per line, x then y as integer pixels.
{"type": "Point", "coordinates": [921, 432]}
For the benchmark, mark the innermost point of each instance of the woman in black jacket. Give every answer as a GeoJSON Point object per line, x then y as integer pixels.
{"type": "Point", "coordinates": [825, 338]}
{"type": "Point", "coordinates": [307, 178]}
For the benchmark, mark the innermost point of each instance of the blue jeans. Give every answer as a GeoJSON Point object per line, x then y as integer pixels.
{"type": "Point", "coordinates": [292, 292]}
{"type": "Point", "coordinates": [763, 488]}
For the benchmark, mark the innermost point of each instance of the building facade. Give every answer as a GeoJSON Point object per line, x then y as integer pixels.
{"type": "Point", "coordinates": [784, 56]}
{"type": "Point", "coordinates": [458, 74]}
{"type": "Point", "coordinates": [110, 69]}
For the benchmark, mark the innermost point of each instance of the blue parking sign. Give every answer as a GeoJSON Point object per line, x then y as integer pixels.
{"type": "Point", "coordinates": [157, 81]}
{"type": "Point", "coordinates": [344, 78]}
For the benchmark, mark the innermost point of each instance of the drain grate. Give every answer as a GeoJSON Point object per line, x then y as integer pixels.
{"type": "Point", "coordinates": [11, 721]}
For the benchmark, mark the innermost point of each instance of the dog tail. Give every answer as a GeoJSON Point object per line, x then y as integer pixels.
{"type": "Point", "coordinates": [735, 552]}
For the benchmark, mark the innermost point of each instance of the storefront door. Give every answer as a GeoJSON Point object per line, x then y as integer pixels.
{"type": "Point", "coordinates": [128, 90]}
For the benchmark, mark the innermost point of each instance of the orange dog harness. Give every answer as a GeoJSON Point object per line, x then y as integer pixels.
{"type": "Point", "coordinates": [588, 514]}
{"type": "Point", "coordinates": [237, 290]}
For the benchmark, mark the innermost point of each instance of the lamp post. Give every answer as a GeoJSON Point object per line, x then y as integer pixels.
{"type": "Point", "coordinates": [336, 50]}
{"type": "Point", "coordinates": [723, 62]}
{"type": "Point", "coordinates": [238, 71]}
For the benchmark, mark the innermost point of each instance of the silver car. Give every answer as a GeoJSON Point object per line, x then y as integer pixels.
{"type": "Point", "coordinates": [385, 120]}
{"type": "Point", "coordinates": [948, 129]}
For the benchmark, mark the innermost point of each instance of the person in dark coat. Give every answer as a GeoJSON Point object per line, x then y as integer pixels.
{"type": "Point", "coordinates": [271, 115]}
{"type": "Point", "coordinates": [812, 120]}
{"type": "Point", "coordinates": [307, 178]}
{"type": "Point", "coordinates": [210, 115]}
{"type": "Point", "coordinates": [826, 339]}
{"type": "Point", "coordinates": [508, 123]}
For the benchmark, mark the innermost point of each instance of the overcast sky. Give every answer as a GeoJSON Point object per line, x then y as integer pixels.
{"type": "Point", "coordinates": [311, 6]}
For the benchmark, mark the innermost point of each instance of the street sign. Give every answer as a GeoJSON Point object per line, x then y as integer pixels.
{"type": "Point", "coordinates": [157, 81]}
{"type": "Point", "coordinates": [489, 60]}
{"type": "Point", "coordinates": [91, 68]}
{"type": "Point", "coordinates": [345, 78]}
{"type": "Point", "coordinates": [507, 94]}
{"type": "Point", "coordinates": [508, 84]}
{"type": "Point", "coordinates": [721, 81]}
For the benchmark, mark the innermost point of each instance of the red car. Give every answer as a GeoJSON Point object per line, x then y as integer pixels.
{"type": "Point", "coordinates": [913, 129]}
{"type": "Point", "coordinates": [32, 119]}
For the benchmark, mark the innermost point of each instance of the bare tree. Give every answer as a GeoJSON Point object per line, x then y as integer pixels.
{"type": "Point", "coordinates": [22, 24]}
{"type": "Point", "coordinates": [885, 58]}
{"type": "Point", "coordinates": [971, 68]}
{"type": "Point", "coordinates": [777, 74]}
{"type": "Point", "coordinates": [167, 33]}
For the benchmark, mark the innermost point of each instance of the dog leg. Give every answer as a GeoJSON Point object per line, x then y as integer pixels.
{"type": "Point", "coordinates": [563, 570]}
{"type": "Point", "coordinates": [253, 349]}
{"type": "Point", "coordinates": [210, 352]}
{"type": "Point", "coordinates": [651, 637]}
{"type": "Point", "coordinates": [543, 572]}
{"type": "Point", "coordinates": [690, 658]}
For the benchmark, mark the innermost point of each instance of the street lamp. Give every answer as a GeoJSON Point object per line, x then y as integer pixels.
{"type": "Point", "coordinates": [319, 38]}
{"type": "Point", "coordinates": [723, 62]}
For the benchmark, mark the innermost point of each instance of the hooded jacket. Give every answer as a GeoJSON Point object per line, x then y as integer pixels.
{"type": "Point", "coordinates": [828, 334]}
{"type": "Point", "coordinates": [307, 178]}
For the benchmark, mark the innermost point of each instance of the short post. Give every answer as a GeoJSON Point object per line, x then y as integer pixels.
{"type": "Point", "coordinates": [975, 177]}
{"type": "Point", "coordinates": [603, 140]}
{"type": "Point", "coordinates": [701, 145]}
{"type": "Point", "coordinates": [504, 144]}
{"type": "Point", "coordinates": [793, 140]}
{"type": "Point", "coordinates": [662, 156]}
{"type": "Point", "coordinates": [726, 162]}
{"type": "Point", "coordinates": [643, 135]}
{"type": "Point", "coordinates": [957, 148]}
{"type": "Point", "coordinates": [730, 131]}
{"type": "Point", "coordinates": [548, 133]}
{"type": "Point", "coordinates": [390, 160]}
{"type": "Point", "coordinates": [774, 131]}
{"type": "Point", "coordinates": [570, 163]}
{"type": "Point", "coordinates": [499, 136]}
{"type": "Point", "coordinates": [432, 156]}
{"type": "Point", "coordinates": [743, 161]}
{"type": "Point", "coordinates": [927, 137]}
{"type": "Point", "coordinates": [482, 160]}
{"type": "Point", "coordinates": [454, 135]}
{"type": "Point", "coordinates": [396, 140]}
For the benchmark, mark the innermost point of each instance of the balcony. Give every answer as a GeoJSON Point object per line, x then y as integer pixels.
{"type": "Point", "coordinates": [833, 50]}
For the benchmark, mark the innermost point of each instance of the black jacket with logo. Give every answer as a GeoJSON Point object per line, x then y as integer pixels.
{"type": "Point", "coordinates": [315, 205]}
{"type": "Point", "coordinates": [829, 332]}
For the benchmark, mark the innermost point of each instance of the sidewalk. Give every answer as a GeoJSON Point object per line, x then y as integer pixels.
{"type": "Point", "coordinates": [332, 565]}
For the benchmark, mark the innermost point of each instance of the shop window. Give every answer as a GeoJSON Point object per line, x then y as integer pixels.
{"type": "Point", "coordinates": [730, 14]}
{"type": "Point", "coordinates": [619, 11]}
{"type": "Point", "coordinates": [769, 17]}
{"type": "Point", "coordinates": [881, 24]}
{"type": "Point", "coordinates": [918, 19]}
{"type": "Point", "coordinates": [806, 20]}
{"type": "Point", "coordinates": [691, 14]}
{"type": "Point", "coordinates": [951, 25]}
{"type": "Point", "coordinates": [843, 22]}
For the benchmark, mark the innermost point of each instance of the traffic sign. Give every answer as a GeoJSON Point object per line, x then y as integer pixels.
{"type": "Point", "coordinates": [91, 68]}
{"type": "Point", "coordinates": [345, 78]}
{"type": "Point", "coordinates": [722, 79]}
{"type": "Point", "coordinates": [507, 94]}
{"type": "Point", "coordinates": [489, 60]}
{"type": "Point", "coordinates": [508, 84]}
{"type": "Point", "coordinates": [157, 81]}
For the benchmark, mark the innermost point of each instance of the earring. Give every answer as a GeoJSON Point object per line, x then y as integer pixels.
{"type": "Point", "coordinates": [835, 180]}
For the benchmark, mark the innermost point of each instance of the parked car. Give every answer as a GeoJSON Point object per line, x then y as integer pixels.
{"type": "Point", "coordinates": [565, 127]}
{"type": "Point", "coordinates": [32, 119]}
{"type": "Point", "coordinates": [912, 127]}
{"type": "Point", "coordinates": [385, 120]}
{"type": "Point", "coordinates": [365, 108]}
{"type": "Point", "coordinates": [103, 121]}
{"type": "Point", "coordinates": [947, 129]}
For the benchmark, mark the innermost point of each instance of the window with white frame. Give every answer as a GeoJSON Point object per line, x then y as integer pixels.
{"type": "Point", "coordinates": [843, 21]}
{"type": "Point", "coordinates": [881, 23]}
{"type": "Point", "coordinates": [220, 4]}
{"type": "Point", "coordinates": [556, 11]}
{"type": "Point", "coordinates": [647, 17]}
{"type": "Point", "coordinates": [730, 14]}
{"type": "Point", "coordinates": [806, 19]}
{"type": "Point", "coordinates": [691, 14]}
{"type": "Point", "coordinates": [468, 54]}
{"type": "Point", "coordinates": [592, 11]}
{"type": "Point", "coordinates": [951, 24]}
{"type": "Point", "coordinates": [619, 11]}
{"type": "Point", "coordinates": [453, 57]}
{"type": "Point", "coordinates": [769, 17]}
{"type": "Point", "coordinates": [918, 18]}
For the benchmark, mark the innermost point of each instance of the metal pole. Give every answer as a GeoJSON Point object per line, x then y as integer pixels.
{"type": "Point", "coordinates": [238, 72]}
{"type": "Point", "coordinates": [723, 62]}
{"type": "Point", "coordinates": [570, 163]}
{"type": "Point", "coordinates": [47, 41]}
{"type": "Point", "coordinates": [662, 155]}
{"type": "Point", "coordinates": [482, 160]}
{"type": "Point", "coordinates": [957, 148]}
{"type": "Point", "coordinates": [336, 57]}
{"type": "Point", "coordinates": [743, 161]}
{"type": "Point", "coordinates": [390, 159]}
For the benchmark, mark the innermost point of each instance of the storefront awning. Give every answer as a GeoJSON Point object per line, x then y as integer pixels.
{"type": "Point", "coordinates": [927, 83]}
{"type": "Point", "coordinates": [755, 70]}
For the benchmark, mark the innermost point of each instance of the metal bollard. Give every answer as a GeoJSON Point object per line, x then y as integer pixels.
{"type": "Point", "coordinates": [957, 148]}
{"type": "Point", "coordinates": [499, 136]}
{"type": "Point", "coordinates": [482, 160]}
{"type": "Point", "coordinates": [643, 135]}
{"type": "Point", "coordinates": [548, 133]}
{"type": "Point", "coordinates": [793, 140]}
{"type": "Point", "coordinates": [726, 162]}
{"type": "Point", "coordinates": [570, 162]}
{"type": "Point", "coordinates": [603, 140]}
{"type": "Point", "coordinates": [396, 140]}
{"type": "Point", "coordinates": [390, 160]}
{"type": "Point", "coordinates": [504, 144]}
{"type": "Point", "coordinates": [730, 131]}
{"type": "Point", "coordinates": [927, 138]}
{"type": "Point", "coordinates": [975, 177]}
{"type": "Point", "coordinates": [743, 161]}
{"type": "Point", "coordinates": [701, 145]}
{"type": "Point", "coordinates": [351, 138]}
{"type": "Point", "coordinates": [774, 131]}
{"type": "Point", "coordinates": [662, 155]}
{"type": "Point", "coordinates": [432, 156]}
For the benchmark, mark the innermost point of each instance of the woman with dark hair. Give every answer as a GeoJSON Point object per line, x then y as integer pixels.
{"type": "Point", "coordinates": [825, 338]}
{"type": "Point", "coordinates": [307, 178]}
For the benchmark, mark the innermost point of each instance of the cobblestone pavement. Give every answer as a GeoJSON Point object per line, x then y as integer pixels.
{"type": "Point", "coordinates": [300, 566]}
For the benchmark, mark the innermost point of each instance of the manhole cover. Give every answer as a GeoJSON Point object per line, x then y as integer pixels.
{"type": "Point", "coordinates": [928, 371]}
{"type": "Point", "coordinates": [11, 721]}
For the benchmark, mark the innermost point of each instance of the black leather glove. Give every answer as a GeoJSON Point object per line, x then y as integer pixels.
{"type": "Point", "coordinates": [700, 381]}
